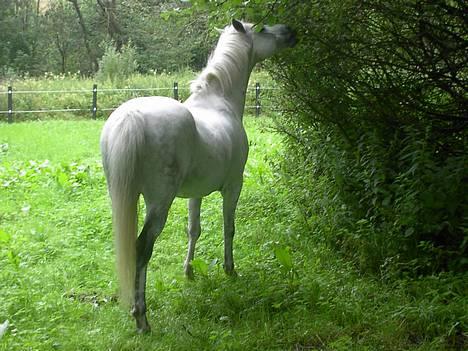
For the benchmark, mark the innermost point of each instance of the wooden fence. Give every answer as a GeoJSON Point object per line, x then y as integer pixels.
{"type": "Point", "coordinates": [93, 95]}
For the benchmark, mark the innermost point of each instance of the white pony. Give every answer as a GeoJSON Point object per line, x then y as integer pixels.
{"type": "Point", "coordinates": [161, 148]}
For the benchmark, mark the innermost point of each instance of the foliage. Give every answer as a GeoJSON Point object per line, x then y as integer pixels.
{"type": "Point", "coordinates": [59, 292]}
{"type": "Point", "coordinates": [65, 35]}
{"type": "Point", "coordinates": [115, 66]}
{"type": "Point", "coordinates": [375, 111]}
{"type": "Point", "coordinates": [383, 121]}
{"type": "Point", "coordinates": [166, 38]}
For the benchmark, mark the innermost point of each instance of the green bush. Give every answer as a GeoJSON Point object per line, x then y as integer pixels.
{"type": "Point", "coordinates": [375, 112]}
{"type": "Point", "coordinates": [116, 66]}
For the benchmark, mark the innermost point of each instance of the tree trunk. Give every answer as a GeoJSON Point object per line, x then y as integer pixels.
{"type": "Point", "coordinates": [108, 8]}
{"type": "Point", "coordinates": [62, 49]}
{"type": "Point", "coordinates": [92, 57]}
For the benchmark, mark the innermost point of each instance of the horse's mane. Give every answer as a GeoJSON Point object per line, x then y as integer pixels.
{"type": "Point", "coordinates": [230, 58]}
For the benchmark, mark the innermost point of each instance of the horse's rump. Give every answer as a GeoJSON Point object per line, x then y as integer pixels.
{"type": "Point", "coordinates": [145, 147]}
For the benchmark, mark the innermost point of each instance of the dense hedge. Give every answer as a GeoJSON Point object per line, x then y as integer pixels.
{"type": "Point", "coordinates": [376, 113]}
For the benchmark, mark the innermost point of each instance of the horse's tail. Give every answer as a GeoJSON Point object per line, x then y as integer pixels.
{"type": "Point", "coordinates": [121, 142]}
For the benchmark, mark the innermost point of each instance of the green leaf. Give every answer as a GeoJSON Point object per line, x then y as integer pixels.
{"type": "Point", "coordinates": [165, 15]}
{"type": "Point", "coordinates": [409, 232]}
{"type": "Point", "coordinates": [62, 178]}
{"type": "Point", "coordinates": [277, 305]}
{"type": "Point", "coordinates": [4, 237]}
{"type": "Point", "coordinates": [284, 257]}
{"type": "Point", "coordinates": [13, 258]}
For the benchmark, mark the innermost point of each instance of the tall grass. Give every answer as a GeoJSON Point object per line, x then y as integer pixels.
{"type": "Point", "coordinates": [72, 91]}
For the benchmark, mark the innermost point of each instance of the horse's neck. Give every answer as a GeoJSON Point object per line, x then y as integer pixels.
{"type": "Point", "coordinates": [223, 83]}
{"type": "Point", "coordinates": [232, 100]}
{"type": "Point", "coordinates": [237, 94]}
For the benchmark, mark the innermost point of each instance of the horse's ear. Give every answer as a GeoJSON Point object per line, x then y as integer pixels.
{"type": "Point", "coordinates": [238, 25]}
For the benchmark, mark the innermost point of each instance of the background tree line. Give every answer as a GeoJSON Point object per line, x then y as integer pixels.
{"type": "Point", "coordinates": [61, 36]}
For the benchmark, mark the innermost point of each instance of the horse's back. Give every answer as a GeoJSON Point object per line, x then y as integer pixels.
{"type": "Point", "coordinates": [157, 111]}
{"type": "Point", "coordinates": [163, 133]}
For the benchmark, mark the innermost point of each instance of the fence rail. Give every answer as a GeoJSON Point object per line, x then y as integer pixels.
{"type": "Point", "coordinates": [93, 98]}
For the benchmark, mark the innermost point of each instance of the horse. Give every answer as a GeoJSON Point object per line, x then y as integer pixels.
{"type": "Point", "coordinates": [161, 148]}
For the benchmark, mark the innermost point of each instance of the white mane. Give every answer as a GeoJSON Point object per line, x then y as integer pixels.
{"type": "Point", "coordinates": [231, 58]}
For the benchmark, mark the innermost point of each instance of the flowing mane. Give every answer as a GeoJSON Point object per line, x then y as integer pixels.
{"type": "Point", "coordinates": [229, 59]}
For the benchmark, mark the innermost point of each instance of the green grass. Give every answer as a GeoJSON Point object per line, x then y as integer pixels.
{"type": "Point", "coordinates": [57, 282]}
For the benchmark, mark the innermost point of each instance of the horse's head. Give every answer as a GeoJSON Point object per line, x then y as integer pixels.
{"type": "Point", "coordinates": [269, 40]}
{"type": "Point", "coordinates": [239, 48]}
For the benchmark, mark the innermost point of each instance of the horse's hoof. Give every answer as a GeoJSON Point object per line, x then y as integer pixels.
{"type": "Point", "coordinates": [231, 273]}
{"type": "Point", "coordinates": [143, 326]}
{"type": "Point", "coordinates": [189, 273]}
{"type": "Point", "coordinates": [144, 330]}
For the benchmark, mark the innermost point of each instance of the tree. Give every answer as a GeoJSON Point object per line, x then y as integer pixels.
{"type": "Point", "coordinates": [375, 112]}
{"type": "Point", "coordinates": [19, 39]}
{"type": "Point", "coordinates": [60, 31]}
{"type": "Point", "coordinates": [57, 17]}
{"type": "Point", "coordinates": [84, 31]}
{"type": "Point", "coordinates": [109, 15]}
{"type": "Point", "coordinates": [166, 36]}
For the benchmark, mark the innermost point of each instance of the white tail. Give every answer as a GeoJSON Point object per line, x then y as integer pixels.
{"type": "Point", "coordinates": [120, 145]}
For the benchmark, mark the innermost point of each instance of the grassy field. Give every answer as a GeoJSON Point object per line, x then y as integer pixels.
{"type": "Point", "coordinates": [58, 289]}
{"type": "Point", "coordinates": [52, 92]}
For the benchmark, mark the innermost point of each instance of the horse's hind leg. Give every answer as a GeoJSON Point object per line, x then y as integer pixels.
{"type": "Point", "coordinates": [230, 198]}
{"type": "Point", "coordinates": [154, 224]}
{"type": "Point", "coordinates": [193, 232]}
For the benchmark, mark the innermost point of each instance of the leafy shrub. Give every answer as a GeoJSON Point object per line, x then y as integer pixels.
{"type": "Point", "coordinates": [116, 66]}
{"type": "Point", "coordinates": [376, 118]}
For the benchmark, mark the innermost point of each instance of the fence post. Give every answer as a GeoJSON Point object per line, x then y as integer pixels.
{"type": "Point", "coordinates": [176, 91]}
{"type": "Point", "coordinates": [10, 104]}
{"type": "Point", "coordinates": [257, 99]}
{"type": "Point", "coordinates": [94, 108]}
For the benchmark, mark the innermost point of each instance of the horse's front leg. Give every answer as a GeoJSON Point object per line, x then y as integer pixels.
{"type": "Point", "coordinates": [193, 233]}
{"type": "Point", "coordinates": [154, 224]}
{"type": "Point", "coordinates": [230, 198]}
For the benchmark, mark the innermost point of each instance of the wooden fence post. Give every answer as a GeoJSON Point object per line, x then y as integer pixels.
{"type": "Point", "coordinates": [94, 108]}
{"type": "Point", "coordinates": [10, 104]}
{"type": "Point", "coordinates": [176, 91]}
{"type": "Point", "coordinates": [257, 99]}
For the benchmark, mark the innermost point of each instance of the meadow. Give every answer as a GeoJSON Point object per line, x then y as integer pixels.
{"type": "Point", "coordinates": [73, 91]}
{"type": "Point", "coordinates": [58, 287]}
